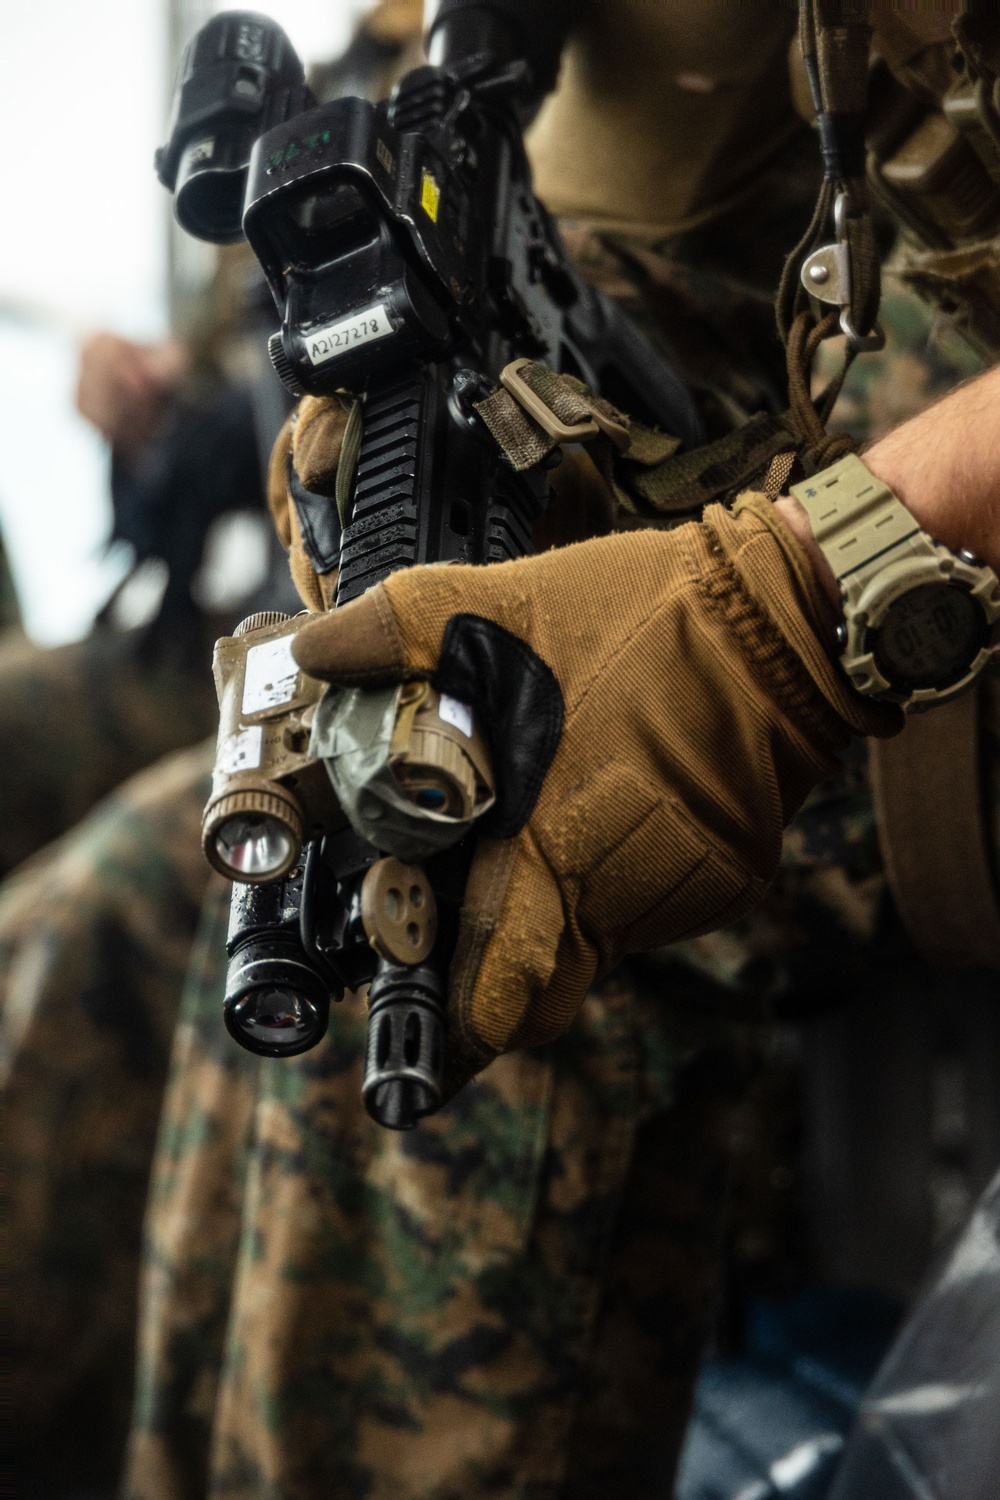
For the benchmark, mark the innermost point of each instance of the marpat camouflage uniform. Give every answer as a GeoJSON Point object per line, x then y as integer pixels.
{"type": "Point", "coordinates": [76, 720]}
{"type": "Point", "coordinates": [95, 935]}
{"type": "Point", "coordinates": [513, 1300]}
{"type": "Point", "coordinates": [333, 1309]}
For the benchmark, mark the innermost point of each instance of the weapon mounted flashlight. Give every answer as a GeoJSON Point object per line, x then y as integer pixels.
{"type": "Point", "coordinates": [277, 1000]}
{"type": "Point", "coordinates": [318, 798]}
{"type": "Point", "coordinates": [254, 846]}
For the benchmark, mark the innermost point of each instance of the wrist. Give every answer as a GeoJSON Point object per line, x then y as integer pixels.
{"type": "Point", "coordinates": [797, 521]}
{"type": "Point", "coordinates": [777, 573]}
{"type": "Point", "coordinates": [919, 620]}
{"type": "Point", "coordinates": [943, 465]}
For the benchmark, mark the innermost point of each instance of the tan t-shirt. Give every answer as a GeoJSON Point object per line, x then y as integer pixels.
{"type": "Point", "coordinates": [664, 111]}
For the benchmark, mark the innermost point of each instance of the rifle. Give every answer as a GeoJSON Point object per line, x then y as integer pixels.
{"type": "Point", "coordinates": [411, 265]}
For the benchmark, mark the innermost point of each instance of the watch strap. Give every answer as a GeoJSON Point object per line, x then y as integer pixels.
{"type": "Point", "coordinates": [856, 520]}
{"type": "Point", "coordinates": [880, 555]}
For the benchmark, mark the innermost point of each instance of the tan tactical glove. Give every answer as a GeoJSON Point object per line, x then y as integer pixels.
{"type": "Point", "coordinates": [658, 705]}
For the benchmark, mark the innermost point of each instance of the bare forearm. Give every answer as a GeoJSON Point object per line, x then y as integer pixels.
{"type": "Point", "coordinates": [945, 467]}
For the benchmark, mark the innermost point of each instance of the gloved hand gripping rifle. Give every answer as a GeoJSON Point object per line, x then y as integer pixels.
{"type": "Point", "coordinates": [411, 264]}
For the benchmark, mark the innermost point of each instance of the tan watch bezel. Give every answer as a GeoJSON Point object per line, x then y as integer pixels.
{"type": "Point", "coordinates": [878, 553]}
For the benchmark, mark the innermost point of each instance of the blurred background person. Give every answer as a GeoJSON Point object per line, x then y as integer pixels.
{"type": "Point", "coordinates": [95, 930]}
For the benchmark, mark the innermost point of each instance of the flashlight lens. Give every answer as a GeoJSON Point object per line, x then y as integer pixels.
{"type": "Point", "coordinates": [432, 798]}
{"type": "Point", "coordinates": [253, 845]}
{"type": "Point", "coordinates": [433, 791]}
{"type": "Point", "coordinates": [275, 1020]}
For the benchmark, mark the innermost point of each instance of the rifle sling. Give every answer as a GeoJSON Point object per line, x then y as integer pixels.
{"type": "Point", "coordinates": [928, 806]}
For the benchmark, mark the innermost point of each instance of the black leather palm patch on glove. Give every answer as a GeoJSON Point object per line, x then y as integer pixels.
{"type": "Point", "coordinates": [518, 704]}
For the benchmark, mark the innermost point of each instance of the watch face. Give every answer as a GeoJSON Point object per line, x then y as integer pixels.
{"type": "Point", "coordinates": [930, 637]}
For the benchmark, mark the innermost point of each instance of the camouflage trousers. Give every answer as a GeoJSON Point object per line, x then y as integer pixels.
{"type": "Point", "coordinates": [514, 1299]}
{"type": "Point", "coordinates": [95, 935]}
{"type": "Point", "coordinates": [496, 1265]}
{"type": "Point", "coordinates": [510, 1301]}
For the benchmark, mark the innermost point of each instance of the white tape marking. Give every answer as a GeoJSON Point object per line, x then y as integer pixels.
{"type": "Point", "coordinates": [453, 711]}
{"type": "Point", "coordinates": [242, 751]}
{"type": "Point", "coordinates": [271, 675]}
{"type": "Point", "coordinates": [350, 333]}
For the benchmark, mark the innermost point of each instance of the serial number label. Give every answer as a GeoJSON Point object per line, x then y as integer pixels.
{"type": "Point", "coordinates": [360, 328]}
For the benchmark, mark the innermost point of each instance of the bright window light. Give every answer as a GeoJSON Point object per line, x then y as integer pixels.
{"type": "Point", "coordinates": [85, 247]}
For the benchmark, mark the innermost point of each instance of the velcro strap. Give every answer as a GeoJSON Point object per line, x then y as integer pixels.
{"type": "Point", "coordinates": [651, 481]}
{"type": "Point", "coordinates": [719, 471]}
{"type": "Point", "coordinates": [535, 410]}
{"type": "Point", "coordinates": [319, 471]}
{"type": "Point", "coordinates": [318, 523]}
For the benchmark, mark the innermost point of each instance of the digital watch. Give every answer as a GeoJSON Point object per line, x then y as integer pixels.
{"type": "Point", "coordinates": [920, 621]}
